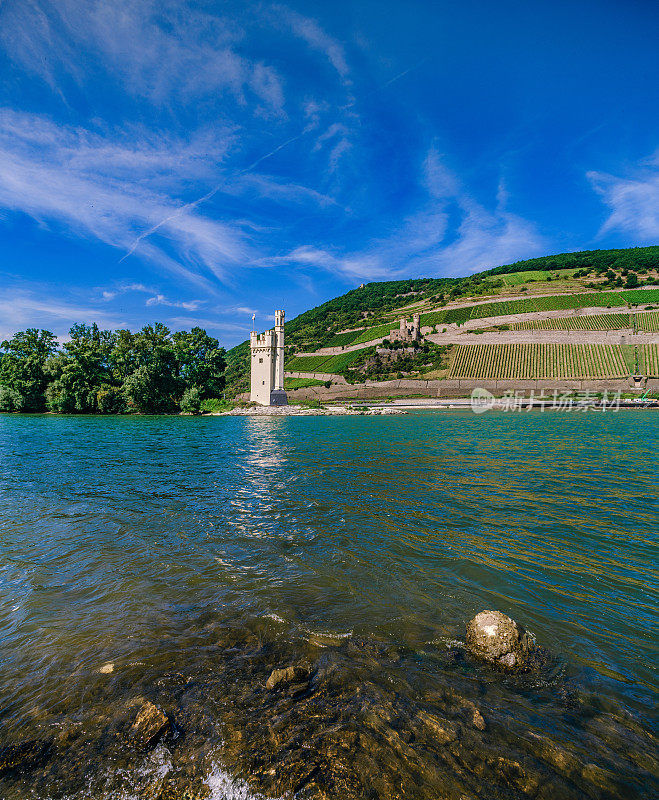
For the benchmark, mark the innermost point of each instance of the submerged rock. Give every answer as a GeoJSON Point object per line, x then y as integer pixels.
{"type": "Point", "coordinates": [23, 756]}
{"type": "Point", "coordinates": [294, 678]}
{"type": "Point", "coordinates": [500, 640]}
{"type": "Point", "coordinates": [477, 720]}
{"type": "Point", "coordinates": [149, 725]}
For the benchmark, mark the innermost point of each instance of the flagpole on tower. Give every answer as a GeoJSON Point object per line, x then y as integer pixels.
{"type": "Point", "coordinates": [253, 324]}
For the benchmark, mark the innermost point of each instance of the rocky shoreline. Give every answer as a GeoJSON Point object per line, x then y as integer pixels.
{"type": "Point", "coordinates": [302, 411]}
{"type": "Point", "coordinates": [320, 717]}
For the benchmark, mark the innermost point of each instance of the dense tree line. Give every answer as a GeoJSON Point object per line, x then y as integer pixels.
{"type": "Point", "coordinates": [110, 372]}
{"type": "Point", "coordinates": [629, 258]}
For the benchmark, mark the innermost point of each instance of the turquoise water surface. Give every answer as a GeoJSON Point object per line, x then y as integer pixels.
{"type": "Point", "coordinates": [118, 534]}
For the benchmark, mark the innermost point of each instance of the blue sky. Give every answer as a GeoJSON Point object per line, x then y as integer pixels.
{"type": "Point", "coordinates": [197, 162]}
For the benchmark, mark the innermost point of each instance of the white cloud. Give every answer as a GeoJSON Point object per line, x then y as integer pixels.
{"type": "Point", "coordinates": [633, 200]}
{"type": "Point", "coordinates": [155, 48]}
{"type": "Point", "coordinates": [112, 191]}
{"type": "Point", "coordinates": [42, 308]}
{"type": "Point", "coordinates": [351, 266]}
{"type": "Point", "coordinates": [311, 32]}
{"type": "Point", "coordinates": [338, 135]}
{"type": "Point", "coordinates": [419, 246]}
{"type": "Point", "coordinates": [485, 239]}
{"type": "Point", "coordinates": [161, 300]}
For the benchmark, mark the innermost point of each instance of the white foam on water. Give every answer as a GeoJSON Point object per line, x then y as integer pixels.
{"type": "Point", "coordinates": [328, 634]}
{"type": "Point", "coordinates": [223, 787]}
{"type": "Point", "coordinates": [158, 765]}
{"type": "Point", "coordinates": [446, 640]}
{"type": "Point", "coordinates": [275, 617]}
{"type": "Point", "coordinates": [146, 780]}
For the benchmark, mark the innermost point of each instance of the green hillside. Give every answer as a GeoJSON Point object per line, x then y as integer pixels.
{"type": "Point", "coordinates": [610, 279]}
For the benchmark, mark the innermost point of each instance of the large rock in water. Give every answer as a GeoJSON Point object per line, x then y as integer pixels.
{"type": "Point", "coordinates": [293, 679]}
{"type": "Point", "coordinates": [149, 725]}
{"type": "Point", "coordinates": [496, 638]}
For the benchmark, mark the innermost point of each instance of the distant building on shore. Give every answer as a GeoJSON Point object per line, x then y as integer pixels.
{"type": "Point", "coordinates": [267, 365]}
{"type": "Point", "coordinates": [407, 332]}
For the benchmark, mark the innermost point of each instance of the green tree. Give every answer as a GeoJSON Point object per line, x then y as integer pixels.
{"type": "Point", "coordinates": [111, 400]}
{"type": "Point", "coordinates": [22, 368]}
{"type": "Point", "coordinates": [154, 386]}
{"type": "Point", "coordinates": [191, 400]}
{"type": "Point", "coordinates": [201, 361]}
{"type": "Point", "coordinates": [78, 373]}
{"type": "Point", "coordinates": [10, 399]}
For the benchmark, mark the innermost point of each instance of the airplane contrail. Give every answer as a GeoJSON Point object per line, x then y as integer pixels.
{"type": "Point", "coordinates": [194, 203]}
{"type": "Point", "coordinates": [390, 81]}
{"type": "Point", "coordinates": [182, 209]}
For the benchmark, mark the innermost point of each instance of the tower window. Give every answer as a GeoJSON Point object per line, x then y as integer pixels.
{"type": "Point", "coordinates": [260, 360]}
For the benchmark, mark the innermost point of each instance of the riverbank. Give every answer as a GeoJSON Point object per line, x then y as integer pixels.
{"type": "Point", "coordinates": [302, 411]}
{"type": "Point", "coordinates": [268, 714]}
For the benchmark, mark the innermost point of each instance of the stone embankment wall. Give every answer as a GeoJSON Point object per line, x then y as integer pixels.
{"type": "Point", "coordinates": [626, 336]}
{"type": "Point", "coordinates": [319, 376]}
{"type": "Point", "coordinates": [332, 351]}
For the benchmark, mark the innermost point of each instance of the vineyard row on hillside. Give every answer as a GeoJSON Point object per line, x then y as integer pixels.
{"type": "Point", "coordinates": [323, 364]}
{"type": "Point", "coordinates": [648, 359]}
{"type": "Point", "coordinates": [648, 322]}
{"type": "Point", "coordinates": [561, 302]}
{"type": "Point", "coordinates": [547, 361]}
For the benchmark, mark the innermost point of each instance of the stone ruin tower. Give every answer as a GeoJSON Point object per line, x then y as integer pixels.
{"type": "Point", "coordinates": [267, 365]}
{"type": "Point", "coordinates": [407, 332]}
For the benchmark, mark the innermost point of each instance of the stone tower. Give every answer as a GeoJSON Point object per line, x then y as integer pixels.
{"type": "Point", "coordinates": [416, 327]}
{"type": "Point", "coordinates": [267, 365]}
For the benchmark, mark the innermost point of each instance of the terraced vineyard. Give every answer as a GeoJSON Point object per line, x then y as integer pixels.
{"type": "Point", "coordinates": [527, 305]}
{"type": "Point", "coordinates": [375, 333]}
{"type": "Point", "coordinates": [306, 363]}
{"type": "Point", "coordinates": [538, 361]}
{"type": "Point", "coordinates": [648, 322]}
{"type": "Point", "coordinates": [524, 306]}
{"type": "Point", "coordinates": [648, 359]}
{"type": "Point", "coordinates": [564, 302]}
{"type": "Point", "coordinates": [451, 315]}
{"type": "Point", "coordinates": [343, 339]}
{"type": "Point", "coordinates": [325, 364]}
{"type": "Point", "coordinates": [583, 322]}
{"type": "Point", "coordinates": [338, 363]}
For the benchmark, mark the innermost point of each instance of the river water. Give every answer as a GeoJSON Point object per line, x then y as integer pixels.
{"type": "Point", "coordinates": [181, 559]}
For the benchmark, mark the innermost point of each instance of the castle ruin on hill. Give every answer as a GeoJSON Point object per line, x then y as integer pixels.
{"type": "Point", "coordinates": [407, 332]}
{"type": "Point", "coordinates": [267, 365]}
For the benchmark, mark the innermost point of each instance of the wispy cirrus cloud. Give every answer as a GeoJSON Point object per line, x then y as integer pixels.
{"type": "Point", "coordinates": [44, 307]}
{"type": "Point", "coordinates": [161, 300]}
{"type": "Point", "coordinates": [423, 243]}
{"type": "Point", "coordinates": [111, 191]}
{"type": "Point", "coordinates": [633, 200]}
{"type": "Point", "coordinates": [188, 143]}
{"type": "Point", "coordinates": [158, 49]}
{"type": "Point", "coordinates": [313, 34]}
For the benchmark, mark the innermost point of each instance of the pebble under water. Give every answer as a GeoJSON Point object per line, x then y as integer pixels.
{"type": "Point", "coordinates": [179, 561]}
